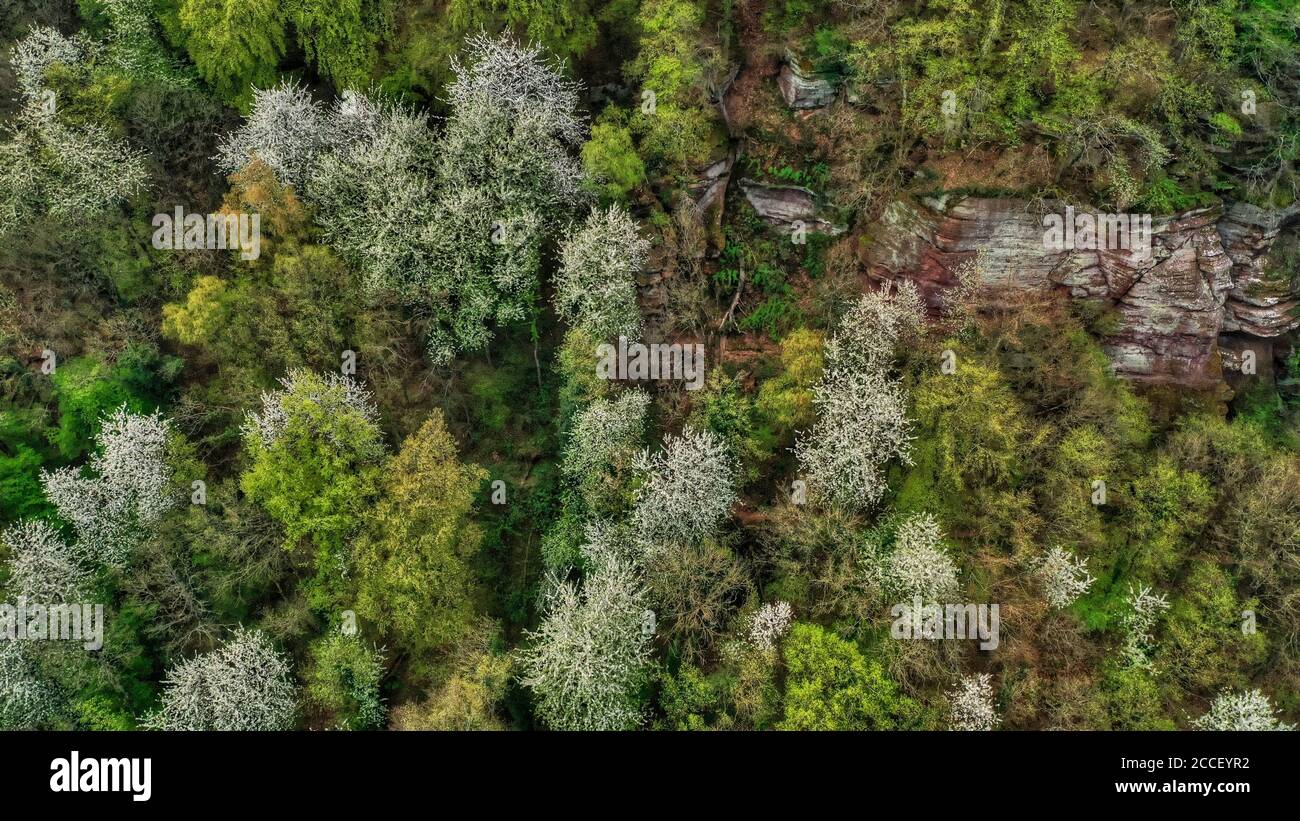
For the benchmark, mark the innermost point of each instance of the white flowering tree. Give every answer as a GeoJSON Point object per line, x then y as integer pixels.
{"type": "Point", "coordinates": [243, 685]}
{"type": "Point", "coordinates": [48, 169]}
{"type": "Point", "coordinates": [587, 660]}
{"type": "Point", "coordinates": [606, 437]}
{"type": "Point", "coordinates": [133, 43]}
{"type": "Point", "coordinates": [862, 419]}
{"type": "Point", "coordinates": [1249, 710]}
{"type": "Point", "coordinates": [507, 176]}
{"type": "Point", "coordinates": [484, 249]}
{"type": "Point", "coordinates": [455, 223]}
{"type": "Point", "coordinates": [869, 332]}
{"type": "Point", "coordinates": [26, 701]}
{"type": "Point", "coordinates": [310, 403]}
{"type": "Point", "coordinates": [1063, 575]}
{"type": "Point", "coordinates": [1139, 623]}
{"type": "Point", "coordinates": [769, 623]}
{"type": "Point", "coordinates": [123, 492]}
{"type": "Point", "coordinates": [595, 289]}
{"type": "Point", "coordinates": [687, 492]}
{"type": "Point", "coordinates": [39, 49]}
{"type": "Point", "coordinates": [970, 704]}
{"type": "Point", "coordinates": [862, 425]}
{"type": "Point", "coordinates": [520, 81]}
{"type": "Point", "coordinates": [285, 129]}
{"type": "Point", "coordinates": [919, 565]}
{"type": "Point", "coordinates": [373, 191]}
{"type": "Point", "coordinates": [42, 566]}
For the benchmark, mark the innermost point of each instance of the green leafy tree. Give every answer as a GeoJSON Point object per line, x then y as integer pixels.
{"type": "Point", "coordinates": [831, 686]}
{"type": "Point", "coordinates": [611, 159]}
{"type": "Point", "coordinates": [676, 132]}
{"type": "Point", "coordinates": [565, 27]}
{"type": "Point", "coordinates": [413, 575]}
{"type": "Point", "coordinates": [88, 387]}
{"type": "Point", "coordinates": [344, 679]}
{"type": "Point", "coordinates": [507, 176]}
{"type": "Point", "coordinates": [470, 689]}
{"type": "Point", "coordinates": [314, 454]}
{"type": "Point", "coordinates": [341, 36]}
{"type": "Point", "coordinates": [235, 44]}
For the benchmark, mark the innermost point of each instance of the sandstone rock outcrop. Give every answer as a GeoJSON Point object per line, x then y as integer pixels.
{"type": "Point", "coordinates": [803, 89]}
{"type": "Point", "coordinates": [709, 193]}
{"type": "Point", "coordinates": [782, 206]}
{"type": "Point", "coordinates": [1264, 300]}
{"type": "Point", "coordinates": [1206, 274]}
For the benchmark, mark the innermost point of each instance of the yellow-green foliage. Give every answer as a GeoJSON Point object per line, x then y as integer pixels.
{"type": "Point", "coordinates": [317, 476]}
{"type": "Point", "coordinates": [785, 401]}
{"type": "Point", "coordinates": [412, 561]}
{"type": "Point", "coordinates": [1206, 647]}
{"type": "Point", "coordinates": [974, 446]}
{"type": "Point", "coordinates": [197, 319]}
{"type": "Point", "coordinates": [829, 685]}
{"type": "Point", "coordinates": [235, 44]}
{"type": "Point", "coordinates": [676, 136]}
{"type": "Point", "coordinates": [611, 159]}
{"type": "Point", "coordinates": [1165, 508]}
{"type": "Point", "coordinates": [468, 695]}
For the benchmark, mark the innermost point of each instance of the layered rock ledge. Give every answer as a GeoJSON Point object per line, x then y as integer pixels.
{"type": "Point", "coordinates": [1208, 273]}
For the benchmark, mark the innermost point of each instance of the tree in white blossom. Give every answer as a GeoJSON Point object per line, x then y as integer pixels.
{"type": "Point", "coordinates": [587, 660]}
{"type": "Point", "coordinates": [1139, 622]}
{"type": "Point", "coordinates": [42, 566]}
{"type": "Point", "coordinates": [286, 130]}
{"type": "Point", "coordinates": [484, 256]}
{"type": "Point", "coordinates": [51, 169]}
{"type": "Point", "coordinates": [508, 175]}
{"type": "Point", "coordinates": [39, 49]}
{"type": "Point", "coordinates": [918, 565]}
{"type": "Point", "coordinates": [605, 438]}
{"type": "Point", "coordinates": [595, 289]}
{"type": "Point", "coordinates": [520, 81]}
{"type": "Point", "coordinates": [869, 332]}
{"type": "Point", "coordinates": [1249, 710]}
{"type": "Point", "coordinates": [245, 684]}
{"type": "Point", "coordinates": [605, 541]}
{"type": "Point", "coordinates": [133, 43]}
{"type": "Point", "coordinates": [688, 490]}
{"type": "Point", "coordinates": [26, 701]}
{"type": "Point", "coordinates": [862, 419]}
{"type": "Point", "coordinates": [373, 191]}
{"type": "Point", "coordinates": [862, 424]}
{"type": "Point", "coordinates": [122, 493]}
{"type": "Point", "coordinates": [455, 223]}
{"type": "Point", "coordinates": [769, 623]}
{"type": "Point", "coordinates": [1063, 575]}
{"type": "Point", "coordinates": [961, 302]}
{"type": "Point", "coordinates": [970, 704]}
{"type": "Point", "coordinates": [48, 169]}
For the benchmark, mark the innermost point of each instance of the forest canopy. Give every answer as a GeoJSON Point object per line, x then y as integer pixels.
{"type": "Point", "coordinates": [650, 364]}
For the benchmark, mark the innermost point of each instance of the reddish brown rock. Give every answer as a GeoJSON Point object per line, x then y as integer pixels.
{"type": "Point", "coordinates": [1173, 302]}
{"type": "Point", "coordinates": [1263, 301]}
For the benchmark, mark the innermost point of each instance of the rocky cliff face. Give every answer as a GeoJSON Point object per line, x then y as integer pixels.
{"type": "Point", "coordinates": [1263, 300]}
{"type": "Point", "coordinates": [804, 89]}
{"type": "Point", "coordinates": [1208, 273]}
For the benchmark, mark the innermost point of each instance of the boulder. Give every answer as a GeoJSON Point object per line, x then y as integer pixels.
{"type": "Point", "coordinates": [782, 206]}
{"type": "Point", "coordinates": [804, 89]}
